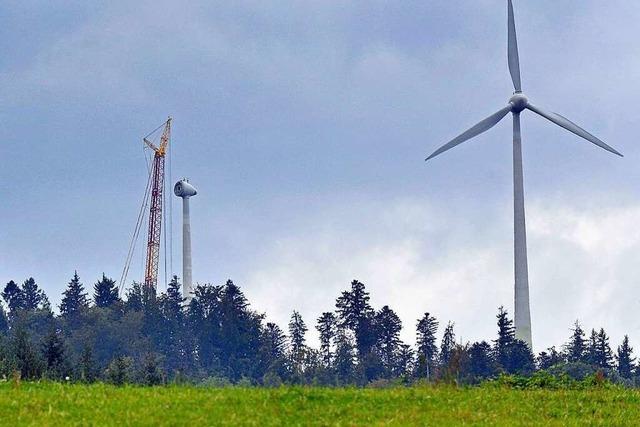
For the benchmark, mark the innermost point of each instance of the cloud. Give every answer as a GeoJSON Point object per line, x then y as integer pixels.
{"type": "Point", "coordinates": [418, 257]}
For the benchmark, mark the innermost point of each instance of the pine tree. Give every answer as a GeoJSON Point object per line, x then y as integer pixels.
{"type": "Point", "coordinates": [603, 352]}
{"type": "Point", "coordinates": [135, 298]}
{"type": "Point", "coordinates": [4, 322]}
{"type": "Point", "coordinates": [549, 358]}
{"type": "Point", "coordinates": [54, 355]}
{"type": "Point", "coordinates": [27, 360]}
{"type": "Point", "coordinates": [480, 361]}
{"type": "Point", "coordinates": [447, 345]}
{"type": "Point", "coordinates": [356, 314]}
{"type": "Point", "coordinates": [405, 362]}
{"type": "Point", "coordinates": [105, 293]}
{"type": "Point", "coordinates": [74, 300]}
{"type": "Point", "coordinates": [13, 296]}
{"type": "Point", "coordinates": [576, 348]}
{"type": "Point", "coordinates": [624, 358]}
{"type": "Point", "coordinates": [326, 327]}
{"type": "Point", "coordinates": [388, 326]}
{"type": "Point", "coordinates": [273, 350]}
{"type": "Point", "coordinates": [297, 331]}
{"type": "Point", "coordinates": [33, 297]}
{"type": "Point", "coordinates": [344, 364]}
{"type": "Point", "coordinates": [591, 357]}
{"type": "Point", "coordinates": [506, 337]}
{"type": "Point", "coordinates": [426, 343]}
{"type": "Point", "coordinates": [521, 360]}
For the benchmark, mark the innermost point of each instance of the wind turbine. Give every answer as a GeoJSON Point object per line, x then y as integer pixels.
{"type": "Point", "coordinates": [517, 104]}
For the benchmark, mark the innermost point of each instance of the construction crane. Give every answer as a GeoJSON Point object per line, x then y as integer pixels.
{"type": "Point", "coordinates": [155, 212]}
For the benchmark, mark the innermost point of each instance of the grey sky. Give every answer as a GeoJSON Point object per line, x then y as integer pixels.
{"type": "Point", "coordinates": [304, 126]}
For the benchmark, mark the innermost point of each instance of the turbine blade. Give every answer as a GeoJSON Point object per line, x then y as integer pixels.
{"type": "Point", "coordinates": [481, 127]}
{"type": "Point", "coordinates": [514, 58]}
{"type": "Point", "coordinates": [572, 127]}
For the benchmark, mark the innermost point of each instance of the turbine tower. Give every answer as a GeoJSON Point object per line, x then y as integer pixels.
{"type": "Point", "coordinates": [517, 104]}
{"type": "Point", "coordinates": [185, 190]}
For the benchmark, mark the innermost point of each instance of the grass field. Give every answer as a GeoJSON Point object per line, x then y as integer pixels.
{"type": "Point", "coordinates": [60, 404]}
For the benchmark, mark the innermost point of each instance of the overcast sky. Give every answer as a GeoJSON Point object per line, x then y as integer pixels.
{"type": "Point", "coordinates": [304, 126]}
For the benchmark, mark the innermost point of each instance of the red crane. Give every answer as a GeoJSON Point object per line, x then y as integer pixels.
{"type": "Point", "coordinates": [155, 213]}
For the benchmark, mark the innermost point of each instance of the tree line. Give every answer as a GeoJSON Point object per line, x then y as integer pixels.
{"type": "Point", "coordinates": [218, 338]}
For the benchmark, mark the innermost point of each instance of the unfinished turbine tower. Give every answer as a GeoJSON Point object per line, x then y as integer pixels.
{"type": "Point", "coordinates": [185, 190]}
{"type": "Point", "coordinates": [517, 104]}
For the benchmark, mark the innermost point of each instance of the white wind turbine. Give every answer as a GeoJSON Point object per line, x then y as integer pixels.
{"type": "Point", "coordinates": [517, 104]}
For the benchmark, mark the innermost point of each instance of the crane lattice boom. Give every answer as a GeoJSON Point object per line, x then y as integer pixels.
{"type": "Point", "coordinates": [155, 214]}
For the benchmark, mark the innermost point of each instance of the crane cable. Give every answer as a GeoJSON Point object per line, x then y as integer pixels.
{"type": "Point", "coordinates": [136, 233]}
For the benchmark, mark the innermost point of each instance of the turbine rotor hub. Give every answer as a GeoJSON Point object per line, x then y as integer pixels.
{"type": "Point", "coordinates": [518, 102]}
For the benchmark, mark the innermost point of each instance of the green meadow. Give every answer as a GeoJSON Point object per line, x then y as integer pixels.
{"type": "Point", "coordinates": [100, 404]}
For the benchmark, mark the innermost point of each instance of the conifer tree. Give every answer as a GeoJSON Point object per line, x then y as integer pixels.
{"type": "Point", "coordinates": [388, 326]}
{"type": "Point", "coordinates": [297, 331]}
{"type": "Point", "coordinates": [32, 296]}
{"type": "Point", "coordinates": [604, 355]}
{"type": "Point", "coordinates": [55, 359]}
{"type": "Point", "coordinates": [506, 337]}
{"type": "Point", "coordinates": [591, 356]}
{"type": "Point", "coordinates": [549, 358]}
{"type": "Point", "coordinates": [272, 353]}
{"type": "Point", "coordinates": [135, 298]}
{"type": "Point", "coordinates": [326, 327]}
{"type": "Point", "coordinates": [480, 361]}
{"type": "Point", "coordinates": [105, 293]}
{"type": "Point", "coordinates": [13, 296]}
{"type": "Point", "coordinates": [344, 363]}
{"type": "Point", "coordinates": [624, 358]}
{"type": "Point", "coordinates": [356, 314]}
{"type": "Point", "coordinates": [74, 300]}
{"type": "Point", "coordinates": [576, 348]}
{"type": "Point", "coordinates": [404, 362]}
{"type": "Point", "coordinates": [447, 345]}
{"type": "Point", "coordinates": [27, 360]}
{"type": "Point", "coordinates": [426, 342]}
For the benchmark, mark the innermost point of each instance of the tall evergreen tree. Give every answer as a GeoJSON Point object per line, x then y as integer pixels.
{"type": "Point", "coordinates": [105, 293]}
{"type": "Point", "coordinates": [591, 357]}
{"type": "Point", "coordinates": [604, 358]}
{"type": "Point", "coordinates": [74, 300]}
{"type": "Point", "coordinates": [506, 337]}
{"type": "Point", "coordinates": [480, 361]}
{"type": "Point", "coordinates": [576, 348]}
{"type": "Point", "coordinates": [32, 296]}
{"type": "Point", "coordinates": [624, 358]}
{"type": "Point", "coordinates": [135, 298]}
{"type": "Point", "coordinates": [13, 296]}
{"type": "Point", "coordinates": [356, 314]}
{"type": "Point", "coordinates": [326, 327]}
{"type": "Point", "coordinates": [273, 352]}
{"type": "Point", "coordinates": [56, 363]}
{"type": "Point", "coordinates": [297, 331]}
{"type": "Point", "coordinates": [344, 363]}
{"type": "Point", "coordinates": [405, 361]}
{"type": "Point", "coordinates": [388, 326]}
{"type": "Point", "coordinates": [240, 330]}
{"type": "Point", "coordinates": [426, 342]}
{"type": "Point", "coordinates": [27, 360]}
{"type": "Point", "coordinates": [447, 345]}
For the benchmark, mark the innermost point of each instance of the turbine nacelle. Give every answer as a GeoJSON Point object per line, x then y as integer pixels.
{"type": "Point", "coordinates": [184, 189]}
{"type": "Point", "coordinates": [518, 102]}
